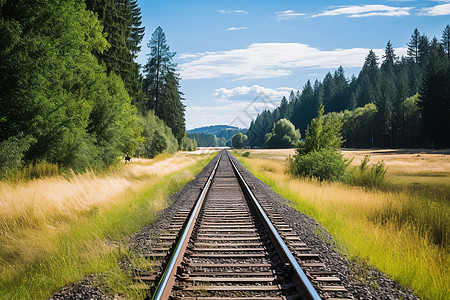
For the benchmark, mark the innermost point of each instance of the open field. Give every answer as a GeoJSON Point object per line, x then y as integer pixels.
{"type": "Point", "coordinates": [403, 231]}
{"type": "Point", "coordinates": [54, 231]}
{"type": "Point", "coordinates": [421, 167]}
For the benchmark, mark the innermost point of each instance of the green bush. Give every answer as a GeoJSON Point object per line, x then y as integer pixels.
{"type": "Point", "coordinates": [12, 152]}
{"type": "Point", "coordinates": [324, 164]}
{"type": "Point", "coordinates": [239, 141]}
{"type": "Point", "coordinates": [283, 135]}
{"type": "Point", "coordinates": [373, 176]}
{"type": "Point", "coordinates": [319, 156]}
{"type": "Point", "coordinates": [188, 144]}
{"type": "Point", "coordinates": [246, 154]}
{"type": "Point", "coordinates": [156, 137]}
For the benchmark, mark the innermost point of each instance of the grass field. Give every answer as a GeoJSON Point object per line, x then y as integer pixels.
{"type": "Point", "coordinates": [401, 229]}
{"type": "Point", "coordinates": [56, 230]}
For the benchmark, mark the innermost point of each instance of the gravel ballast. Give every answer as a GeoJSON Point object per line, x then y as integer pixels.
{"type": "Point", "coordinates": [361, 281]}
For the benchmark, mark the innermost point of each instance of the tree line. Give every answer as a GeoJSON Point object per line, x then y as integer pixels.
{"type": "Point", "coordinates": [70, 91]}
{"type": "Point", "coordinates": [208, 140]}
{"type": "Point", "coordinates": [394, 101]}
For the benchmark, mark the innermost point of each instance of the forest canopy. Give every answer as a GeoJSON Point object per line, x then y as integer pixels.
{"type": "Point", "coordinates": [394, 101]}
{"type": "Point", "coordinates": [69, 85]}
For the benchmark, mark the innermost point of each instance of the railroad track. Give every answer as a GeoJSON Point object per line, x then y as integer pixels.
{"type": "Point", "coordinates": [230, 245]}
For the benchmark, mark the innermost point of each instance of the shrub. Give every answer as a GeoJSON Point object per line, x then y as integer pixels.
{"type": "Point", "coordinates": [239, 141]}
{"type": "Point", "coordinates": [12, 152]}
{"type": "Point", "coordinates": [188, 144]}
{"type": "Point", "coordinates": [156, 137]}
{"type": "Point", "coordinates": [246, 154]}
{"type": "Point", "coordinates": [283, 135]}
{"type": "Point", "coordinates": [318, 156]}
{"type": "Point", "coordinates": [324, 164]}
{"type": "Point", "coordinates": [373, 176]}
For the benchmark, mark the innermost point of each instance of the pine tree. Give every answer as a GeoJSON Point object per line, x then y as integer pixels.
{"type": "Point", "coordinates": [435, 98]}
{"type": "Point", "coordinates": [305, 108]}
{"type": "Point", "coordinates": [158, 66]}
{"type": "Point", "coordinates": [121, 21]}
{"type": "Point", "coordinates": [399, 123]}
{"type": "Point", "coordinates": [341, 84]}
{"type": "Point", "coordinates": [383, 117]}
{"type": "Point", "coordinates": [413, 46]}
{"type": "Point", "coordinates": [284, 109]}
{"type": "Point", "coordinates": [161, 85]}
{"type": "Point", "coordinates": [424, 51]}
{"type": "Point", "coordinates": [389, 58]}
{"type": "Point", "coordinates": [171, 107]}
{"type": "Point", "coordinates": [329, 91]}
{"type": "Point", "coordinates": [446, 40]}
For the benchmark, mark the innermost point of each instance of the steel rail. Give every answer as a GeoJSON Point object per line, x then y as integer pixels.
{"type": "Point", "coordinates": [164, 287]}
{"type": "Point", "coordinates": [298, 275]}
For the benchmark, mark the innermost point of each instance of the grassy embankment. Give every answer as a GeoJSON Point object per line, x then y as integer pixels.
{"type": "Point", "coordinates": [56, 230]}
{"type": "Point", "coordinates": [401, 229]}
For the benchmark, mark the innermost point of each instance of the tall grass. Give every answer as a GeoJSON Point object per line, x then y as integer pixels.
{"type": "Point", "coordinates": [54, 231]}
{"type": "Point", "coordinates": [363, 175]}
{"type": "Point", "coordinates": [401, 233]}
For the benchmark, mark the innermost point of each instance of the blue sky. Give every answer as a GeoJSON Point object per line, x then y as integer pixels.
{"type": "Point", "coordinates": [237, 57]}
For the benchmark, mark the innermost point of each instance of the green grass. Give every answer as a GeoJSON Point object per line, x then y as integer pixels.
{"type": "Point", "coordinates": [93, 243]}
{"type": "Point", "coordinates": [402, 233]}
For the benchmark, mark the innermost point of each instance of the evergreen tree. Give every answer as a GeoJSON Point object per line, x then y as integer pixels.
{"type": "Point", "coordinates": [284, 108]}
{"type": "Point", "coordinates": [161, 85]}
{"type": "Point", "coordinates": [446, 40]}
{"type": "Point", "coordinates": [435, 98]}
{"type": "Point", "coordinates": [424, 50]}
{"type": "Point", "coordinates": [383, 118]}
{"type": "Point", "coordinates": [121, 21]}
{"type": "Point", "coordinates": [399, 121]}
{"type": "Point", "coordinates": [369, 78]}
{"type": "Point", "coordinates": [305, 108]}
{"type": "Point", "coordinates": [413, 46]}
{"type": "Point", "coordinates": [158, 66]}
{"type": "Point", "coordinates": [340, 97]}
{"type": "Point", "coordinates": [329, 90]}
{"type": "Point", "coordinates": [172, 109]}
{"type": "Point", "coordinates": [389, 58]}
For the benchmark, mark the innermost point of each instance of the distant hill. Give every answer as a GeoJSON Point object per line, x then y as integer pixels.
{"type": "Point", "coordinates": [216, 129]}
{"type": "Point", "coordinates": [215, 135]}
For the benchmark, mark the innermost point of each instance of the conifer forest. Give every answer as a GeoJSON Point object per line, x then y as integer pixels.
{"type": "Point", "coordinates": [395, 102]}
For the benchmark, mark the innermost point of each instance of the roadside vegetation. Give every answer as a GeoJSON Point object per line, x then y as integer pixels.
{"type": "Point", "coordinates": [400, 231]}
{"type": "Point", "coordinates": [58, 229]}
{"type": "Point", "coordinates": [72, 98]}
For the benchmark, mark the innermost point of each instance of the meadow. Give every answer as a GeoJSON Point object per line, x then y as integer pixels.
{"type": "Point", "coordinates": [402, 228]}
{"type": "Point", "coordinates": [57, 229]}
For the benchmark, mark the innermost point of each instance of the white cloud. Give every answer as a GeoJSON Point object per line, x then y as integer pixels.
{"type": "Point", "coordinates": [438, 10]}
{"type": "Point", "coordinates": [235, 28]}
{"type": "Point", "coordinates": [269, 60]}
{"type": "Point", "coordinates": [234, 113]}
{"type": "Point", "coordinates": [251, 92]}
{"type": "Point", "coordinates": [355, 11]}
{"type": "Point", "coordinates": [288, 14]}
{"type": "Point", "coordinates": [233, 12]}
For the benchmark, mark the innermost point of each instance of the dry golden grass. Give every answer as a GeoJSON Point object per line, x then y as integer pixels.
{"type": "Point", "coordinates": [395, 231]}
{"type": "Point", "coordinates": [55, 230]}
{"type": "Point", "coordinates": [405, 166]}
{"type": "Point", "coordinates": [43, 201]}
